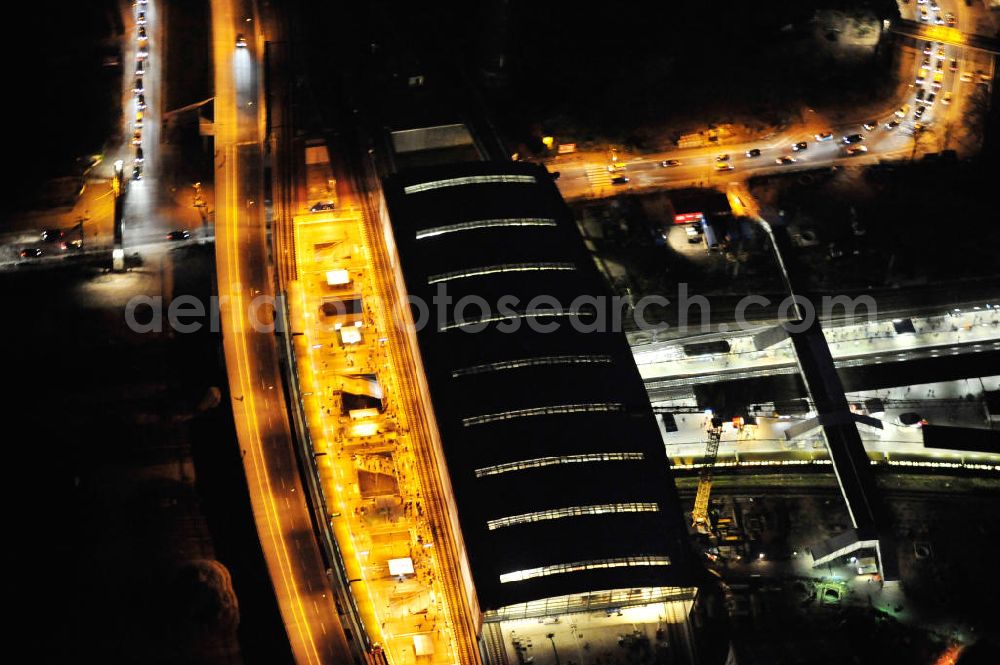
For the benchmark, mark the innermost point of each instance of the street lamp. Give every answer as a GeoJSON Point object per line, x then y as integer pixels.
{"type": "Point", "coordinates": [769, 232]}
{"type": "Point", "coordinates": [552, 638]}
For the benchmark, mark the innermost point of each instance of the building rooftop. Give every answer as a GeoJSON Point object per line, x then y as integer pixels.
{"type": "Point", "coordinates": [556, 461]}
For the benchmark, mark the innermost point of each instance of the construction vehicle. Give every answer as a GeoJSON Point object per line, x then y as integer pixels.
{"type": "Point", "coordinates": [699, 516]}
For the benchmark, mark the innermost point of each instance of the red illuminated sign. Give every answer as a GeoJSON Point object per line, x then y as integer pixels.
{"type": "Point", "coordinates": [689, 218]}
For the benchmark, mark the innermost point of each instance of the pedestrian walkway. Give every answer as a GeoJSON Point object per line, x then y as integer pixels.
{"type": "Point", "coordinates": [599, 178]}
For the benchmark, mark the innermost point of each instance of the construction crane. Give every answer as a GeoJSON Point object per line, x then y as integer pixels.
{"type": "Point", "coordinates": [699, 516]}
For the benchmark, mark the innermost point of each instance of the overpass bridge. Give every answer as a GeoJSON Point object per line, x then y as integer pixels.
{"type": "Point", "coordinates": [946, 35]}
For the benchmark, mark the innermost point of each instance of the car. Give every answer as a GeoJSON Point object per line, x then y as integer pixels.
{"type": "Point", "coordinates": [142, 53]}
{"type": "Point", "coordinates": [137, 172]}
{"type": "Point", "coordinates": [140, 102]}
{"type": "Point", "coordinates": [910, 419]}
{"type": "Point", "coordinates": [920, 93]}
{"type": "Point", "coordinates": [138, 119]}
{"type": "Point", "coordinates": [954, 65]}
{"type": "Point", "coordinates": [180, 234]}
{"type": "Point", "coordinates": [753, 152]}
{"type": "Point", "coordinates": [670, 163]}
{"type": "Point", "coordinates": [853, 138]}
{"type": "Point", "coordinates": [892, 124]}
{"type": "Point", "coordinates": [965, 77]}
{"type": "Point", "coordinates": [322, 205]}
{"type": "Point", "coordinates": [921, 75]}
{"type": "Point", "coordinates": [140, 68]}
{"type": "Point", "coordinates": [924, 16]}
{"type": "Point", "coordinates": [870, 125]}
{"type": "Point", "coordinates": [241, 41]}
{"type": "Point", "coordinates": [722, 158]}
{"type": "Point", "coordinates": [938, 79]}
{"type": "Point", "coordinates": [801, 145]}
{"type": "Point", "coordinates": [52, 235]}
{"type": "Point", "coordinates": [137, 88]}
{"type": "Point", "coordinates": [138, 155]}
{"type": "Point", "coordinates": [785, 159]}
{"type": "Point", "coordinates": [938, 20]}
{"type": "Point", "coordinates": [30, 253]}
{"type": "Point", "coordinates": [940, 64]}
{"type": "Point", "coordinates": [724, 166]}
{"type": "Point", "coordinates": [902, 111]}
{"type": "Point", "coordinates": [619, 180]}
{"type": "Point", "coordinates": [137, 137]}
{"type": "Point", "coordinates": [142, 32]}
{"type": "Point", "coordinates": [947, 98]}
{"type": "Point", "coordinates": [930, 98]}
{"type": "Point", "coordinates": [693, 232]}
{"type": "Point", "coordinates": [928, 48]}
{"type": "Point", "coordinates": [856, 150]}
{"type": "Point", "coordinates": [919, 113]}
{"type": "Point", "coordinates": [140, 18]}
{"type": "Point", "coordinates": [926, 62]}
{"type": "Point", "coordinates": [617, 166]}
{"type": "Point", "coordinates": [72, 245]}
{"type": "Point", "coordinates": [824, 136]}
{"type": "Point", "coordinates": [940, 51]}
{"type": "Point", "coordinates": [921, 2]}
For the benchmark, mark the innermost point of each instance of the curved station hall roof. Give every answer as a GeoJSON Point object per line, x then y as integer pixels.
{"type": "Point", "coordinates": [557, 464]}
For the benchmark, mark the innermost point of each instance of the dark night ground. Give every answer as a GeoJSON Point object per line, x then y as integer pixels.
{"type": "Point", "coordinates": [119, 500]}
{"type": "Point", "coordinates": [61, 100]}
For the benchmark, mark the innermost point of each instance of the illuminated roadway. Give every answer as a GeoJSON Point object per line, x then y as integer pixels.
{"type": "Point", "coordinates": [585, 175]}
{"type": "Point", "coordinates": [281, 513]}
